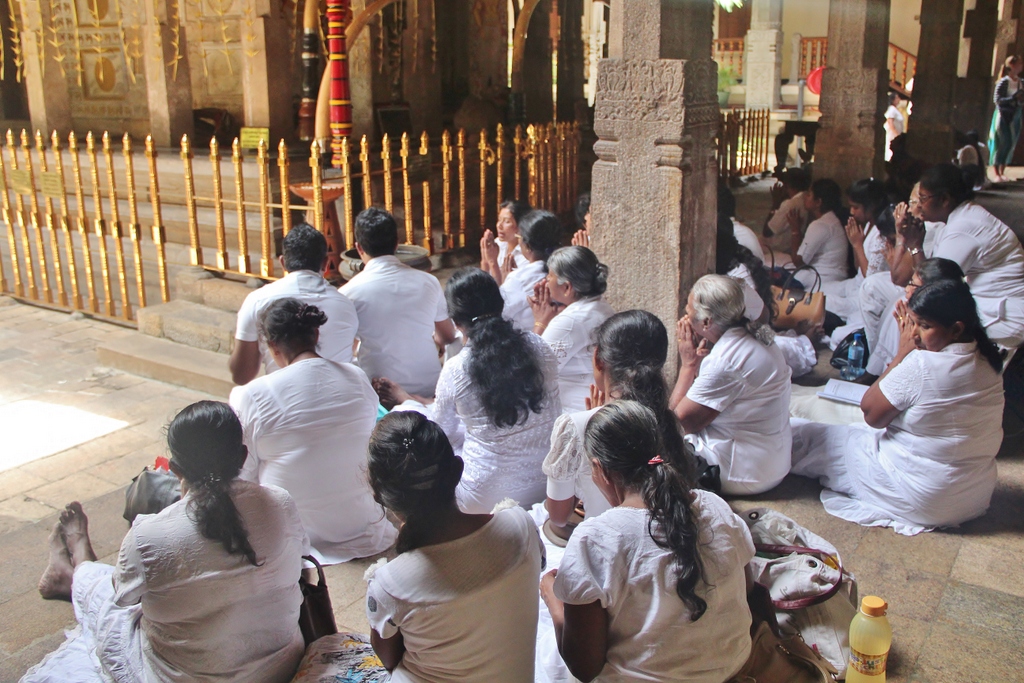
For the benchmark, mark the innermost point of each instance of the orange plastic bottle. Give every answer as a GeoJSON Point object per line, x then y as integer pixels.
{"type": "Point", "coordinates": [870, 639]}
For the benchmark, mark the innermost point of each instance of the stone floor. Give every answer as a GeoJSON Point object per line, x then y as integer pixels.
{"type": "Point", "coordinates": [956, 597]}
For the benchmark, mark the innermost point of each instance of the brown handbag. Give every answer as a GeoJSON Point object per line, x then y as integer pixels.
{"type": "Point", "coordinates": [316, 616]}
{"type": "Point", "coordinates": [796, 308]}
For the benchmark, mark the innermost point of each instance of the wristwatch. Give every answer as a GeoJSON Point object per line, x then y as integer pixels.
{"type": "Point", "coordinates": [915, 251]}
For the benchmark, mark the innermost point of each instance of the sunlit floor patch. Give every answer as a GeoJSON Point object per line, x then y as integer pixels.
{"type": "Point", "coordinates": [30, 430]}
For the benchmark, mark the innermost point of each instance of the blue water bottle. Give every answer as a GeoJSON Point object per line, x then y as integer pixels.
{"type": "Point", "coordinates": [854, 367]}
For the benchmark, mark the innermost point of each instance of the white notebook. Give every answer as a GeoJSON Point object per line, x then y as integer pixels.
{"type": "Point", "coordinates": [843, 392]}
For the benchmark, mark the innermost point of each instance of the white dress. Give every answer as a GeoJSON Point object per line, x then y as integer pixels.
{"type": "Point", "coordinates": [748, 383]}
{"type": "Point", "coordinates": [397, 307]}
{"type": "Point", "coordinates": [337, 334]}
{"type": "Point", "coordinates": [612, 559]}
{"type": "Point", "coordinates": [307, 427]}
{"type": "Point", "coordinates": [825, 247]}
{"type": "Point", "coordinates": [898, 121]}
{"type": "Point", "coordinates": [466, 609]}
{"type": "Point", "coordinates": [842, 297]}
{"type": "Point", "coordinates": [991, 257]}
{"type": "Point", "coordinates": [933, 466]}
{"type": "Point", "coordinates": [570, 335]}
{"type": "Point", "coordinates": [568, 467]}
{"type": "Point", "coordinates": [501, 462]}
{"type": "Point", "coordinates": [516, 290]}
{"type": "Point", "coordinates": [517, 253]}
{"type": "Point", "coordinates": [178, 608]}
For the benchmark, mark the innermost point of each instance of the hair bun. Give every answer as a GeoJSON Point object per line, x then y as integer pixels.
{"type": "Point", "coordinates": [309, 315]}
{"type": "Point", "coordinates": [600, 284]}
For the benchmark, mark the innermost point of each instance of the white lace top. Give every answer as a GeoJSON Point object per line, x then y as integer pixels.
{"type": "Point", "coordinates": [568, 467]}
{"type": "Point", "coordinates": [501, 462]}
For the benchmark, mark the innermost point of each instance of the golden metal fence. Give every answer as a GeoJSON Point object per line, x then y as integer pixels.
{"type": "Point", "coordinates": [95, 256]}
{"type": "Point", "coordinates": [743, 142]}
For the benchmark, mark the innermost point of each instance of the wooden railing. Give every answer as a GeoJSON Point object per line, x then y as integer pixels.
{"type": "Point", "coordinates": [75, 238]}
{"type": "Point", "coordinates": [728, 52]}
{"type": "Point", "coordinates": [814, 54]}
{"type": "Point", "coordinates": [743, 142]}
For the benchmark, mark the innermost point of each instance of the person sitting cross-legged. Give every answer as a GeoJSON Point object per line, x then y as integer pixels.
{"type": "Point", "coordinates": [205, 590]}
{"type": "Point", "coordinates": [304, 261]}
{"type": "Point", "coordinates": [402, 312]}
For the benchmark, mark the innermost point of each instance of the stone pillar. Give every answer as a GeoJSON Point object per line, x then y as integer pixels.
{"type": "Point", "coordinates": [267, 84]}
{"type": "Point", "coordinates": [653, 188]}
{"type": "Point", "coordinates": [360, 74]}
{"type": "Point", "coordinates": [763, 71]}
{"type": "Point", "coordinates": [930, 134]}
{"type": "Point", "coordinates": [851, 141]}
{"type": "Point", "coordinates": [49, 103]}
{"type": "Point", "coordinates": [973, 103]}
{"type": "Point", "coordinates": [1006, 34]}
{"type": "Point", "coordinates": [168, 81]}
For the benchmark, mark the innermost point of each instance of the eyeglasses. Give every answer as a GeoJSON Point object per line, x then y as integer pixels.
{"type": "Point", "coordinates": [924, 197]}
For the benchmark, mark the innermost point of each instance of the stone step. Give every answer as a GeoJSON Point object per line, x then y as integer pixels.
{"type": "Point", "coordinates": [203, 287]}
{"type": "Point", "coordinates": [191, 324]}
{"type": "Point", "coordinates": [169, 362]}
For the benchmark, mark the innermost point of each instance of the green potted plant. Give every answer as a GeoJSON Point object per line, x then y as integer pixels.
{"type": "Point", "coordinates": [726, 79]}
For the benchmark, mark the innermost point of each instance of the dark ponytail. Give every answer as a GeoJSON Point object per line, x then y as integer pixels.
{"type": "Point", "coordinates": [413, 472]}
{"type": "Point", "coordinates": [291, 324]}
{"type": "Point", "coordinates": [624, 438]}
{"type": "Point", "coordinates": [503, 368]}
{"type": "Point", "coordinates": [541, 232]}
{"type": "Point", "coordinates": [948, 302]}
{"type": "Point", "coordinates": [205, 441]}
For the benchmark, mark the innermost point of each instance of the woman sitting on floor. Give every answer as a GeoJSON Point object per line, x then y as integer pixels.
{"type": "Point", "coordinates": [655, 588]}
{"type": "Point", "coordinates": [500, 255]}
{"type": "Point", "coordinates": [576, 280]}
{"type": "Point", "coordinates": [459, 603]}
{"type": "Point", "coordinates": [205, 590]}
{"type": "Point", "coordinates": [307, 426]}
{"type": "Point", "coordinates": [824, 245]}
{"type": "Point", "coordinates": [503, 388]}
{"type": "Point", "coordinates": [732, 400]}
{"type": "Point", "coordinates": [927, 458]}
{"type": "Point", "coordinates": [539, 235]}
{"type": "Point", "coordinates": [630, 349]}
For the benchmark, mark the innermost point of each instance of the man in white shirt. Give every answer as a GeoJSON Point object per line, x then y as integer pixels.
{"type": "Point", "coordinates": [402, 312]}
{"type": "Point", "coordinates": [304, 261]}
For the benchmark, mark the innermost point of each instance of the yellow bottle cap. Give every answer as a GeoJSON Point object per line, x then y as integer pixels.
{"type": "Point", "coordinates": [873, 606]}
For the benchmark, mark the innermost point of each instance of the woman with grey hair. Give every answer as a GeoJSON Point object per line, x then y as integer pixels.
{"type": "Point", "coordinates": [732, 395]}
{"type": "Point", "coordinates": [567, 308]}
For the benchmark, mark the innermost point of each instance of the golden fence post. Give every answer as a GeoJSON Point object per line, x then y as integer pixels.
{"type": "Point", "coordinates": [410, 231]}
{"type": "Point", "coordinates": [428, 232]}
{"type": "Point", "coordinates": [218, 206]}
{"type": "Point", "coordinates": [446, 187]}
{"type": "Point", "coordinates": [499, 159]}
{"type": "Point", "coordinates": [244, 262]}
{"type": "Point", "coordinates": [282, 168]}
{"type": "Point", "coordinates": [563, 166]}
{"type": "Point", "coordinates": [317, 180]}
{"type": "Point", "coordinates": [483, 148]}
{"type": "Point", "coordinates": [190, 202]}
{"type": "Point", "coordinates": [99, 225]}
{"type": "Point", "coordinates": [12, 239]}
{"type": "Point", "coordinates": [83, 221]}
{"type": "Point", "coordinates": [7, 225]}
{"type": "Point", "coordinates": [51, 224]}
{"type": "Point", "coordinates": [385, 156]}
{"type": "Point", "coordinates": [19, 212]}
{"type": "Point", "coordinates": [134, 228]}
{"type": "Point", "coordinates": [158, 222]}
{"type": "Point", "coordinates": [552, 194]}
{"type": "Point", "coordinates": [266, 238]}
{"type": "Point", "coordinates": [346, 180]}
{"type": "Point", "coordinates": [115, 229]}
{"type": "Point", "coordinates": [461, 146]}
{"type": "Point", "coordinates": [531, 166]}
{"type": "Point", "coordinates": [517, 154]}
{"type": "Point", "coordinates": [37, 227]}
{"type": "Point", "coordinates": [364, 160]}
{"type": "Point", "coordinates": [65, 223]}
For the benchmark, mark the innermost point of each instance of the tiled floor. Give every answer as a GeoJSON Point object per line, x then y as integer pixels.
{"type": "Point", "coordinates": [956, 597]}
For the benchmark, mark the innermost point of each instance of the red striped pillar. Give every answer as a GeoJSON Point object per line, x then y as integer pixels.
{"type": "Point", "coordinates": [340, 93]}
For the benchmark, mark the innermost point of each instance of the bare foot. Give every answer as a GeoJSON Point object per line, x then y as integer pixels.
{"type": "Point", "coordinates": [390, 393]}
{"type": "Point", "coordinates": [76, 533]}
{"type": "Point", "coordinates": [55, 584]}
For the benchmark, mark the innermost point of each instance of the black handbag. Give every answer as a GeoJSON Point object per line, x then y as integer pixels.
{"type": "Point", "coordinates": [150, 492]}
{"type": "Point", "coordinates": [316, 616]}
{"type": "Point", "coordinates": [840, 357]}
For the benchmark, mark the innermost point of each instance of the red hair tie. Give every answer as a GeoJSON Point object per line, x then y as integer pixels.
{"type": "Point", "coordinates": [656, 460]}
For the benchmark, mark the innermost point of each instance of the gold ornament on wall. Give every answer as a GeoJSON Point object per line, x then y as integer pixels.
{"type": "Point", "coordinates": [15, 41]}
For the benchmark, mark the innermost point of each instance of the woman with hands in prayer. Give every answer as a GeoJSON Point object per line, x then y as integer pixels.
{"type": "Point", "coordinates": [501, 254]}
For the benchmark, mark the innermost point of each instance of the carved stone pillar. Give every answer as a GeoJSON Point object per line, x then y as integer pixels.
{"type": "Point", "coordinates": [763, 70]}
{"type": "Point", "coordinates": [973, 103]}
{"type": "Point", "coordinates": [49, 104]}
{"type": "Point", "coordinates": [851, 141]}
{"type": "Point", "coordinates": [168, 81]}
{"type": "Point", "coordinates": [653, 188]}
{"type": "Point", "coordinates": [930, 134]}
{"type": "Point", "coordinates": [266, 85]}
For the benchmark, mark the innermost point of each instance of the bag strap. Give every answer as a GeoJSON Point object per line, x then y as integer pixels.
{"type": "Point", "coordinates": [801, 603]}
{"type": "Point", "coordinates": [817, 278]}
{"type": "Point", "coordinates": [321, 580]}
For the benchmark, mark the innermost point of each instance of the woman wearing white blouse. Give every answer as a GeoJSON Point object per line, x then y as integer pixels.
{"type": "Point", "coordinates": [576, 280]}
{"type": "Point", "coordinates": [732, 400]}
{"type": "Point", "coordinates": [500, 256]}
{"type": "Point", "coordinates": [824, 246]}
{"type": "Point", "coordinates": [539, 236]}
{"type": "Point", "coordinates": [307, 427]}
{"type": "Point", "coordinates": [927, 457]}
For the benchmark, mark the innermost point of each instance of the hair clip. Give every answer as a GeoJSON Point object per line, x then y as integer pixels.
{"type": "Point", "coordinates": [656, 460]}
{"type": "Point", "coordinates": [482, 317]}
{"type": "Point", "coordinates": [407, 443]}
